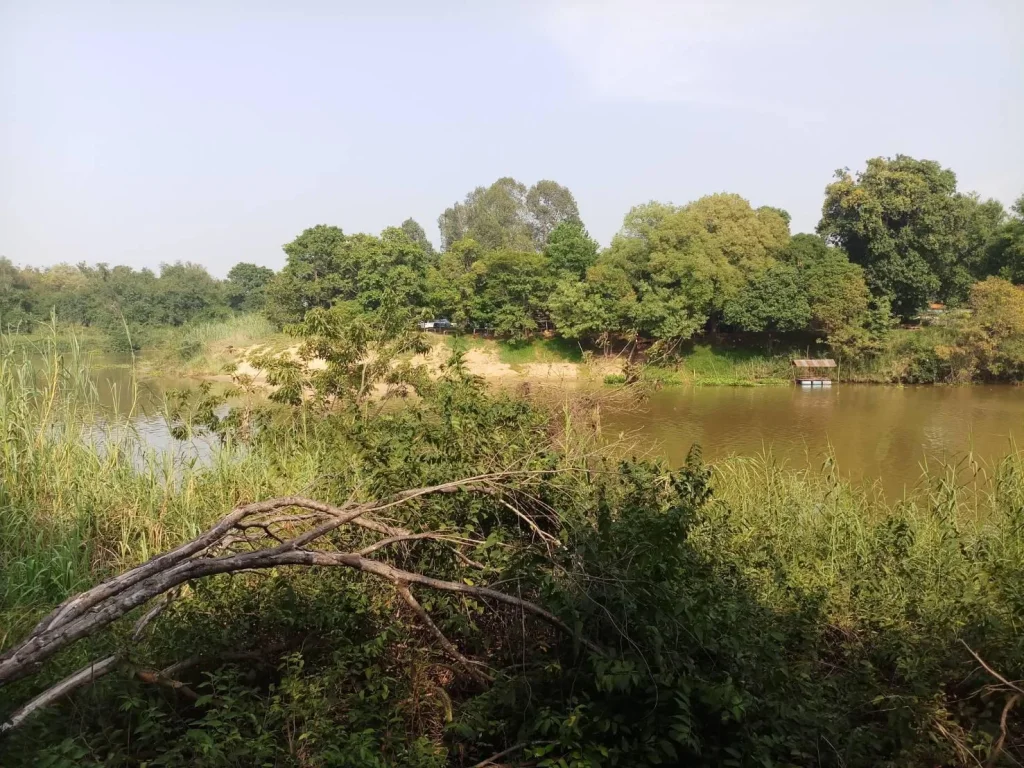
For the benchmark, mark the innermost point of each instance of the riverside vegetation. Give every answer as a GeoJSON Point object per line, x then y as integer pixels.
{"type": "Point", "coordinates": [715, 274]}
{"type": "Point", "coordinates": [510, 594]}
{"type": "Point", "coordinates": [748, 615]}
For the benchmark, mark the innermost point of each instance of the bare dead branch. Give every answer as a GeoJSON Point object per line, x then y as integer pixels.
{"type": "Point", "coordinates": [84, 676]}
{"type": "Point", "coordinates": [549, 540]}
{"type": "Point", "coordinates": [84, 614]}
{"type": "Point", "coordinates": [493, 759]}
{"type": "Point", "coordinates": [467, 664]}
{"type": "Point", "coordinates": [156, 677]}
{"type": "Point", "coordinates": [152, 614]}
{"type": "Point", "coordinates": [175, 669]}
{"type": "Point", "coordinates": [997, 748]}
{"type": "Point", "coordinates": [378, 545]}
{"type": "Point", "coordinates": [987, 668]}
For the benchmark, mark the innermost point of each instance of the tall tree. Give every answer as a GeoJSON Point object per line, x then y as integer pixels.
{"type": "Point", "coordinates": [771, 300]}
{"type": "Point", "coordinates": [832, 286]}
{"type": "Point", "coordinates": [326, 266]}
{"type": "Point", "coordinates": [1004, 252]}
{"type": "Point", "coordinates": [318, 271]}
{"type": "Point", "coordinates": [511, 291]}
{"type": "Point", "coordinates": [508, 215]}
{"type": "Point", "coordinates": [707, 249]}
{"type": "Point", "coordinates": [599, 308]}
{"type": "Point", "coordinates": [904, 222]}
{"type": "Point", "coordinates": [245, 288]}
{"type": "Point", "coordinates": [15, 296]}
{"type": "Point", "coordinates": [451, 282]}
{"type": "Point", "coordinates": [186, 292]}
{"type": "Point", "coordinates": [643, 219]}
{"type": "Point", "coordinates": [570, 249]}
{"type": "Point", "coordinates": [415, 233]}
{"type": "Point", "coordinates": [392, 263]}
{"type": "Point", "coordinates": [549, 205]}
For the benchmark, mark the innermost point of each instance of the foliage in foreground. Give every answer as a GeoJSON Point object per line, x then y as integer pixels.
{"type": "Point", "coordinates": [756, 616]}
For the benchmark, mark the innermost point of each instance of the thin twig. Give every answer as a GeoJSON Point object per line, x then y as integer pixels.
{"type": "Point", "coordinates": [505, 752]}
{"type": "Point", "coordinates": [997, 748]}
{"type": "Point", "coordinates": [991, 671]}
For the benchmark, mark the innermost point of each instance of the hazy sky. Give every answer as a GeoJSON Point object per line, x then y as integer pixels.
{"type": "Point", "coordinates": [146, 132]}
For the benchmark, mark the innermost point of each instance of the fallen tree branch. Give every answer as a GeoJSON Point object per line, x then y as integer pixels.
{"type": "Point", "coordinates": [493, 759]}
{"type": "Point", "coordinates": [88, 612]}
{"type": "Point", "coordinates": [175, 669]}
{"type": "Point", "coordinates": [84, 676]}
{"type": "Point", "coordinates": [157, 677]}
{"type": "Point", "coordinates": [412, 602]}
{"type": "Point", "coordinates": [1016, 692]}
{"type": "Point", "coordinates": [1004, 731]}
{"type": "Point", "coordinates": [378, 545]}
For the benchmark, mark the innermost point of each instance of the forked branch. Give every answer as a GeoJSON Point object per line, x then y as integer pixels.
{"type": "Point", "coordinates": [215, 552]}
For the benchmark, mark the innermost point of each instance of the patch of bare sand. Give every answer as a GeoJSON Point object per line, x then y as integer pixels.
{"type": "Point", "coordinates": [485, 363]}
{"type": "Point", "coordinates": [433, 358]}
{"type": "Point", "coordinates": [243, 366]}
{"type": "Point", "coordinates": [480, 361]}
{"type": "Point", "coordinates": [552, 370]}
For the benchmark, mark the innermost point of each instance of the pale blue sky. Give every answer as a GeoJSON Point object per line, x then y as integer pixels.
{"type": "Point", "coordinates": [144, 132]}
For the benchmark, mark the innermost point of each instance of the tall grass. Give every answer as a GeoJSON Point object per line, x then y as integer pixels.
{"type": "Point", "coordinates": [951, 549]}
{"type": "Point", "coordinates": [716, 366]}
{"type": "Point", "coordinates": [556, 350]}
{"type": "Point", "coordinates": [192, 341]}
{"type": "Point", "coordinates": [876, 594]}
{"type": "Point", "coordinates": [81, 493]}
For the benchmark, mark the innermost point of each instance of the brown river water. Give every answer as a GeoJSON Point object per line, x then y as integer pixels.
{"type": "Point", "coordinates": [879, 435]}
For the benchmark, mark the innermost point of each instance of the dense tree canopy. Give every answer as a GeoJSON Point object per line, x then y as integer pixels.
{"type": "Point", "coordinates": [417, 236]}
{"type": "Point", "coordinates": [772, 300]}
{"type": "Point", "coordinates": [570, 250]}
{"type": "Point", "coordinates": [109, 297]}
{"type": "Point", "coordinates": [508, 215]}
{"type": "Point", "coordinates": [246, 286]}
{"type": "Point", "coordinates": [918, 239]}
{"type": "Point", "coordinates": [518, 260]}
{"type": "Point", "coordinates": [325, 266]}
{"type": "Point", "coordinates": [1004, 254]}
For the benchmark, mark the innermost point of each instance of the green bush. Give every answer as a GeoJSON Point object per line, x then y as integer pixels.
{"type": "Point", "coordinates": [748, 616]}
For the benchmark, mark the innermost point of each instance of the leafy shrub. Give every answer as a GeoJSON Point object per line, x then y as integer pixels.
{"type": "Point", "coordinates": [754, 616]}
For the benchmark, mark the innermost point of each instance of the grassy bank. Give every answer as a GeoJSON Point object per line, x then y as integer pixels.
{"type": "Point", "coordinates": [208, 348]}
{"type": "Point", "coordinates": [925, 355]}
{"type": "Point", "coordinates": [761, 615]}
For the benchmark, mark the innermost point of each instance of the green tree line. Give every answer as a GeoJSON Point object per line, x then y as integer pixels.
{"type": "Point", "coordinates": [518, 260]}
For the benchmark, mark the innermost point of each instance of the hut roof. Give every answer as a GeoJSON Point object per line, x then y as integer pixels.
{"type": "Point", "coordinates": [825, 362]}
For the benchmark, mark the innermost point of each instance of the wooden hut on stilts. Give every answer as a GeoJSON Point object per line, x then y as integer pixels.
{"type": "Point", "coordinates": [813, 373]}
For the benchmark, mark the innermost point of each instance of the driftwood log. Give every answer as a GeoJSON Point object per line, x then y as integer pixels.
{"type": "Point", "coordinates": [239, 542]}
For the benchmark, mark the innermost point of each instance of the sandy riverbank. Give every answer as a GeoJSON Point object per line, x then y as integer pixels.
{"type": "Point", "coordinates": [482, 361]}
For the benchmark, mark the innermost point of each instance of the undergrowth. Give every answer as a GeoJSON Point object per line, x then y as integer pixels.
{"type": "Point", "coordinates": [753, 615]}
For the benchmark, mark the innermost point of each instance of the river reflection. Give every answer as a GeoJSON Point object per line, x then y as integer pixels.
{"type": "Point", "coordinates": [137, 409]}
{"type": "Point", "coordinates": [877, 433]}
